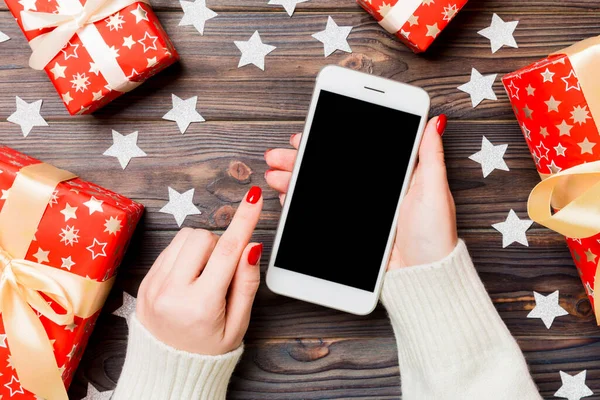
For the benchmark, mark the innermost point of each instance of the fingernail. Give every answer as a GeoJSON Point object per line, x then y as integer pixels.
{"type": "Point", "coordinates": [292, 138]}
{"type": "Point", "coordinates": [254, 254]}
{"type": "Point", "coordinates": [441, 124]}
{"type": "Point", "coordinates": [267, 173]}
{"type": "Point", "coordinates": [254, 195]}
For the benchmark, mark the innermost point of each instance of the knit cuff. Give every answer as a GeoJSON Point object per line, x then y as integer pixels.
{"type": "Point", "coordinates": [154, 370]}
{"type": "Point", "coordinates": [441, 312]}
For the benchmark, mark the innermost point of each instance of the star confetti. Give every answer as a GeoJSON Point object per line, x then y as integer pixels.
{"type": "Point", "coordinates": [334, 37]}
{"type": "Point", "coordinates": [196, 13]}
{"type": "Point", "coordinates": [3, 37]}
{"type": "Point", "coordinates": [184, 112]}
{"type": "Point", "coordinates": [500, 33]}
{"type": "Point", "coordinates": [93, 394]}
{"type": "Point", "coordinates": [490, 157]}
{"type": "Point", "coordinates": [253, 51]}
{"type": "Point", "coordinates": [289, 5]}
{"type": "Point", "coordinates": [124, 148]}
{"type": "Point", "coordinates": [547, 308]}
{"type": "Point", "coordinates": [513, 229]}
{"type": "Point", "coordinates": [128, 306]}
{"type": "Point", "coordinates": [573, 387]}
{"type": "Point", "coordinates": [27, 115]}
{"type": "Point", "coordinates": [180, 205]}
{"type": "Point", "coordinates": [480, 87]}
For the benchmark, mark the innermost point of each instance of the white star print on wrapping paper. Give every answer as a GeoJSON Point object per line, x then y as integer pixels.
{"type": "Point", "coordinates": [128, 42]}
{"type": "Point", "coordinates": [112, 226]}
{"type": "Point", "coordinates": [69, 212]}
{"type": "Point", "coordinates": [196, 13]}
{"type": "Point", "coordinates": [253, 51]}
{"type": "Point", "coordinates": [513, 229]}
{"type": "Point", "coordinates": [180, 205]}
{"type": "Point", "coordinates": [547, 308]}
{"type": "Point", "coordinates": [124, 148]}
{"type": "Point", "coordinates": [573, 386]}
{"type": "Point", "coordinates": [334, 37]}
{"type": "Point", "coordinates": [128, 307]}
{"type": "Point", "coordinates": [500, 33]}
{"type": "Point", "coordinates": [288, 5]}
{"type": "Point", "coordinates": [479, 87]}
{"type": "Point", "coordinates": [93, 394]}
{"type": "Point", "coordinates": [58, 71]}
{"type": "Point", "coordinates": [97, 248]}
{"type": "Point", "coordinates": [69, 235]}
{"type": "Point", "coordinates": [490, 157]}
{"type": "Point", "coordinates": [140, 14]}
{"type": "Point", "coordinates": [27, 115]}
{"type": "Point", "coordinates": [94, 205]}
{"type": "Point", "coordinates": [183, 112]}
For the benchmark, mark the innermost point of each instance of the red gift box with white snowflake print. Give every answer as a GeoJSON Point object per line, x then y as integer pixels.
{"type": "Point", "coordinates": [550, 104]}
{"type": "Point", "coordinates": [133, 37]}
{"type": "Point", "coordinates": [417, 23]}
{"type": "Point", "coordinates": [85, 230]}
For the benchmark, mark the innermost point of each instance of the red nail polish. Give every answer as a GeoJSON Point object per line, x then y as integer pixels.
{"type": "Point", "coordinates": [254, 195]}
{"type": "Point", "coordinates": [441, 124]}
{"type": "Point", "coordinates": [254, 254]}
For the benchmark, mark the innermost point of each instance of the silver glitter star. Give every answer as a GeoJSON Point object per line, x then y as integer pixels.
{"type": "Point", "coordinates": [513, 229]}
{"type": "Point", "coordinates": [500, 33]}
{"type": "Point", "coordinates": [573, 387]}
{"type": "Point", "coordinates": [480, 87]}
{"type": "Point", "coordinates": [128, 306]}
{"type": "Point", "coordinates": [27, 115]}
{"type": "Point", "coordinates": [289, 5]}
{"type": "Point", "coordinates": [547, 308]}
{"type": "Point", "coordinates": [3, 37]}
{"type": "Point", "coordinates": [490, 157]}
{"type": "Point", "coordinates": [184, 112]}
{"type": "Point", "coordinates": [124, 148]}
{"type": "Point", "coordinates": [334, 37]}
{"type": "Point", "coordinates": [93, 394]}
{"type": "Point", "coordinates": [253, 51]}
{"type": "Point", "coordinates": [196, 13]}
{"type": "Point", "coordinates": [180, 205]}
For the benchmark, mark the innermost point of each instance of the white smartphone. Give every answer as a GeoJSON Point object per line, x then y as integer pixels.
{"type": "Point", "coordinates": [355, 160]}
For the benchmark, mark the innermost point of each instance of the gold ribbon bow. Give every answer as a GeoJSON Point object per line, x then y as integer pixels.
{"type": "Point", "coordinates": [68, 21]}
{"type": "Point", "coordinates": [22, 281]}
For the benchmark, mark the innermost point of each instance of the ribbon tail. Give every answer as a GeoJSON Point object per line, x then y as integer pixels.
{"type": "Point", "coordinates": [38, 20]}
{"type": "Point", "coordinates": [52, 43]}
{"type": "Point", "coordinates": [31, 351]}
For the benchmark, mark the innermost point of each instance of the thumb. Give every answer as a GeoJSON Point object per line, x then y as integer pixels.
{"type": "Point", "coordinates": [431, 152]}
{"type": "Point", "coordinates": [243, 288]}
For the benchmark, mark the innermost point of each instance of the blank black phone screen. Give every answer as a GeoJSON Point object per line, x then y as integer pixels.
{"type": "Point", "coordinates": [347, 190]}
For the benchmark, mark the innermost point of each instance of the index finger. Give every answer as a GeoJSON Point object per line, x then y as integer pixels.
{"type": "Point", "coordinates": [225, 257]}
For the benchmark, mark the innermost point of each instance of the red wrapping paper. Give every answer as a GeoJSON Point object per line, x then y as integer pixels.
{"type": "Point", "coordinates": [87, 241]}
{"type": "Point", "coordinates": [425, 24]}
{"type": "Point", "coordinates": [143, 48]}
{"type": "Point", "coordinates": [552, 110]}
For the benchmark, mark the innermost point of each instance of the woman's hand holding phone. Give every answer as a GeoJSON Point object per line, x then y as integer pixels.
{"type": "Point", "coordinates": [427, 220]}
{"type": "Point", "coordinates": [198, 294]}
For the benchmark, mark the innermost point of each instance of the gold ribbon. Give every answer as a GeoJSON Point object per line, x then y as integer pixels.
{"type": "Point", "coordinates": [22, 281]}
{"type": "Point", "coordinates": [67, 22]}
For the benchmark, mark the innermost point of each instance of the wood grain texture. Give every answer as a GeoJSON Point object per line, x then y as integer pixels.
{"type": "Point", "coordinates": [209, 66]}
{"type": "Point", "coordinates": [297, 350]}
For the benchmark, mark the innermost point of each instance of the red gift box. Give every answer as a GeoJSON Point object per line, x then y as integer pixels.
{"type": "Point", "coordinates": [103, 59]}
{"type": "Point", "coordinates": [83, 233]}
{"type": "Point", "coordinates": [557, 103]}
{"type": "Point", "coordinates": [417, 23]}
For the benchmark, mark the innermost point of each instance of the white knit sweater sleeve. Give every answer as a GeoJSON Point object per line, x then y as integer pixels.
{"type": "Point", "coordinates": [452, 344]}
{"type": "Point", "coordinates": [155, 371]}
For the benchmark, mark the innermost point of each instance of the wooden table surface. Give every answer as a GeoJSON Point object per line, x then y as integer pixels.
{"type": "Point", "coordinates": [296, 350]}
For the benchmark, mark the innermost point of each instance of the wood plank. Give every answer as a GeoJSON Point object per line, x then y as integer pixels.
{"type": "Point", "coordinates": [357, 368]}
{"type": "Point", "coordinates": [282, 92]}
{"type": "Point", "coordinates": [207, 156]}
{"type": "Point", "coordinates": [510, 275]}
{"type": "Point", "coordinates": [506, 6]}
